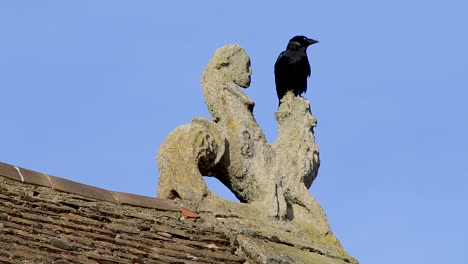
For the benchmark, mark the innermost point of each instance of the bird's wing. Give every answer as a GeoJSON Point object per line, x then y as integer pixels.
{"type": "Point", "coordinates": [282, 74]}
{"type": "Point", "coordinates": [306, 66]}
{"type": "Point", "coordinates": [302, 72]}
{"type": "Point", "coordinates": [281, 60]}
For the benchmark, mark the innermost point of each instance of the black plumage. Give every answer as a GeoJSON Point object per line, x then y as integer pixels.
{"type": "Point", "coordinates": [292, 67]}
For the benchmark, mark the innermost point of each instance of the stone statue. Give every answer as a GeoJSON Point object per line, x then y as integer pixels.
{"type": "Point", "coordinates": [232, 147]}
{"type": "Point", "coordinates": [271, 181]}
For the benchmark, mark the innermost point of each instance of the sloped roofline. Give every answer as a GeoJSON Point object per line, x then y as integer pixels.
{"type": "Point", "coordinates": [27, 176]}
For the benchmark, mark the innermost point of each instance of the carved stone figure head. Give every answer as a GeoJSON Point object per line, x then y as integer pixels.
{"type": "Point", "coordinates": [233, 61]}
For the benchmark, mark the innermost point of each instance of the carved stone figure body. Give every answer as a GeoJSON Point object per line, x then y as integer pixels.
{"type": "Point", "coordinates": [232, 148]}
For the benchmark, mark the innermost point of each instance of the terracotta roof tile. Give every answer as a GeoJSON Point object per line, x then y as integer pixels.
{"type": "Point", "coordinates": [35, 177]}
{"type": "Point", "coordinates": [189, 214]}
{"type": "Point", "coordinates": [65, 185]}
{"type": "Point", "coordinates": [145, 201]}
{"type": "Point", "coordinates": [9, 171]}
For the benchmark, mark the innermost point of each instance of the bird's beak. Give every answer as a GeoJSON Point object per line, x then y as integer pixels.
{"type": "Point", "coordinates": [312, 41]}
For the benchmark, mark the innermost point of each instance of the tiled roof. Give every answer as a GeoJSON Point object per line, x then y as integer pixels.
{"type": "Point", "coordinates": [64, 185]}
{"type": "Point", "coordinates": [47, 219]}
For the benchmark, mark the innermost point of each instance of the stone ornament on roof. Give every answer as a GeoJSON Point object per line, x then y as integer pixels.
{"type": "Point", "coordinates": [271, 181]}
{"type": "Point", "coordinates": [232, 147]}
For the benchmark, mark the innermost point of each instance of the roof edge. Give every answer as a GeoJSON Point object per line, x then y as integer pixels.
{"type": "Point", "coordinates": [60, 184]}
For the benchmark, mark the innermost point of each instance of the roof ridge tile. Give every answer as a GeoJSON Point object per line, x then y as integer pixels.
{"type": "Point", "coordinates": [60, 184]}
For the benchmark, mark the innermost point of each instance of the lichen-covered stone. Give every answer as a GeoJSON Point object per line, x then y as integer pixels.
{"type": "Point", "coordinates": [297, 158]}
{"type": "Point", "coordinates": [271, 181]}
{"type": "Point", "coordinates": [187, 152]}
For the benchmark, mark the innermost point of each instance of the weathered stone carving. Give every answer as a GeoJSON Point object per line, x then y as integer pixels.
{"type": "Point", "coordinates": [232, 147]}
{"type": "Point", "coordinates": [271, 181]}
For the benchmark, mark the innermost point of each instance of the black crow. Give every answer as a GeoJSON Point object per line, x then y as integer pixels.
{"type": "Point", "coordinates": [292, 67]}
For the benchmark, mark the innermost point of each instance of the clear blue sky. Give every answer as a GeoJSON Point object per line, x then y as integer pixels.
{"type": "Point", "coordinates": [90, 89]}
